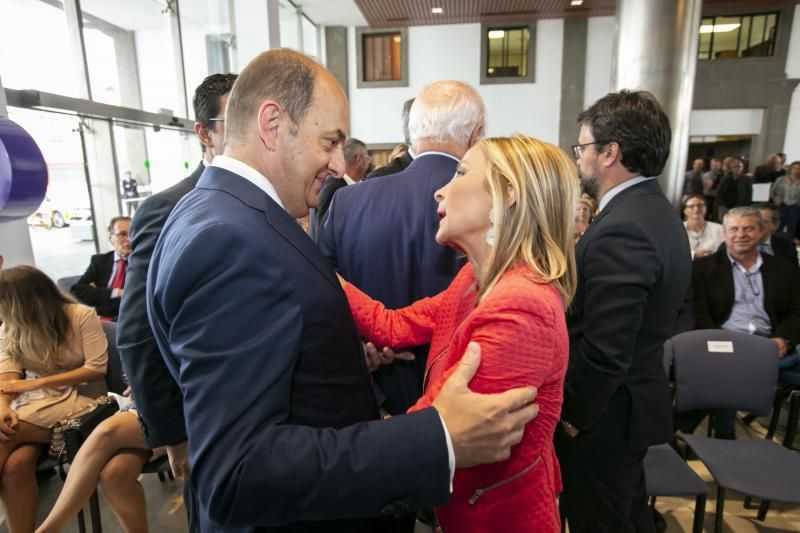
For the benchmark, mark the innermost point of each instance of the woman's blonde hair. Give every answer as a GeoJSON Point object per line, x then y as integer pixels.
{"type": "Point", "coordinates": [537, 228]}
{"type": "Point", "coordinates": [34, 315]}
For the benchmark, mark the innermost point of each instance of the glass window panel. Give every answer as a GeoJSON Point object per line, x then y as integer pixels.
{"type": "Point", "coordinates": [310, 44]}
{"type": "Point", "coordinates": [129, 48]}
{"type": "Point", "coordinates": [206, 37]}
{"type": "Point", "coordinates": [726, 35]}
{"type": "Point", "coordinates": [61, 229]}
{"type": "Point", "coordinates": [382, 61]}
{"type": "Point", "coordinates": [288, 26]}
{"type": "Point", "coordinates": [757, 33]}
{"type": "Point", "coordinates": [507, 52]}
{"type": "Point", "coordinates": [36, 51]}
{"type": "Point", "coordinates": [744, 34]}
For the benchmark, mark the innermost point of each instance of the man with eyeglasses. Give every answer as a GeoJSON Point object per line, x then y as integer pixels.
{"type": "Point", "coordinates": [103, 283]}
{"type": "Point", "coordinates": [634, 269]}
{"type": "Point", "coordinates": [741, 289]}
{"type": "Point", "coordinates": [159, 401]}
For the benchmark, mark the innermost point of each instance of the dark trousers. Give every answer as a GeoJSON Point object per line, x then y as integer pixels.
{"type": "Point", "coordinates": [604, 488]}
{"type": "Point", "coordinates": [190, 501]}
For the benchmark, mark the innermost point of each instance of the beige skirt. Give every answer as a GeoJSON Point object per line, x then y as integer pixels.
{"type": "Point", "coordinates": [45, 407]}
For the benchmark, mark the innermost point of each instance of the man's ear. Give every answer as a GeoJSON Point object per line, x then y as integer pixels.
{"type": "Point", "coordinates": [477, 133]}
{"type": "Point", "coordinates": [611, 153]}
{"type": "Point", "coordinates": [270, 115]}
{"type": "Point", "coordinates": [202, 134]}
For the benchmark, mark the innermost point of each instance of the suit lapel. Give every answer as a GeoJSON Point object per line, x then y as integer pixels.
{"type": "Point", "coordinates": [275, 215]}
{"type": "Point", "coordinates": [728, 293]}
{"type": "Point", "coordinates": [768, 280]}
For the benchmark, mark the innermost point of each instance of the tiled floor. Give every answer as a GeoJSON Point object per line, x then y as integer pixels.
{"type": "Point", "coordinates": [166, 513]}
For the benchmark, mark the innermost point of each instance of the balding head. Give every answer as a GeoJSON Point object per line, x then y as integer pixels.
{"type": "Point", "coordinates": [285, 76]}
{"type": "Point", "coordinates": [447, 112]}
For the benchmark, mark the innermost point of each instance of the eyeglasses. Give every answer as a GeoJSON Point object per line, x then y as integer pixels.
{"type": "Point", "coordinates": [753, 286]}
{"type": "Point", "coordinates": [694, 206]}
{"type": "Point", "coordinates": [577, 149]}
{"type": "Point", "coordinates": [121, 234]}
{"type": "Point", "coordinates": [217, 119]}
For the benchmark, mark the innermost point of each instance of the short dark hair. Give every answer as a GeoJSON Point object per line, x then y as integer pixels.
{"type": "Point", "coordinates": [207, 95]}
{"type": "Point", "coordinates": [775, 216]}
{"type": "Point", "coordinates": [637, 123]}
{"type": "Point", "coordinates": [283, 75]}
{"type": "Point", "coordinates": [115, 220]}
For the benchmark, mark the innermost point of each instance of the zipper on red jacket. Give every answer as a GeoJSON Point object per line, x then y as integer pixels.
{"type": "Point", "coordinates": [480, 492]}
{"type": "Point", "coordinates": [428, 370]}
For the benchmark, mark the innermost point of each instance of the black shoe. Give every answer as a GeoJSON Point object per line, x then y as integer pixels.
{"type": "Point", "coordinates": [658, 520]}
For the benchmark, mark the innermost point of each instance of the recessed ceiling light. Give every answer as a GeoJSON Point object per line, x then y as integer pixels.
{"type": "Point", "coordinates": [496, 34]}
{"type": "Point", "coordinates": [718, 28]}
{"type": "Point", "coordinates": [576, 3]}
{"type": "Point", "coordinates": [437, 10]}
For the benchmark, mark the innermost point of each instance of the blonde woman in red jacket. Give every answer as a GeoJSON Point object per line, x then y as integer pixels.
{"type": "Point", "coordinates": [510, 209]}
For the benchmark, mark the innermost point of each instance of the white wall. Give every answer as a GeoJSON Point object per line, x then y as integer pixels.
{"type": "Point", "coordinates": [599, 49]}
{"type": "Point", "coordinates": [726, 121]}
{"type": "Point", "coordinates": [453, 52]}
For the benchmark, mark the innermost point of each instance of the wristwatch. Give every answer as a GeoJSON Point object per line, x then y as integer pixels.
{"type": "Point", "coordinates": [570, 430]}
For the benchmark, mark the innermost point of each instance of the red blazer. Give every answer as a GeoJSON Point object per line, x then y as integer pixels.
{"type": "Point", "coordinates": [521, 329]}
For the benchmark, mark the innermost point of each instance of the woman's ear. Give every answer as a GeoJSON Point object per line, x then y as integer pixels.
{"type": "Point", "coordinates": [511, 196]}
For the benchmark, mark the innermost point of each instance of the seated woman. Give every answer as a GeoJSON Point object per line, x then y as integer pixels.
{"type": "Point", "coordinates": [53, 357]}
{"type": "Point", "coordinates": [510, 208]}
{"type": "Point", "coordinates": [113, 456]}
{"type": "Point", "coordinates": [704, 236]}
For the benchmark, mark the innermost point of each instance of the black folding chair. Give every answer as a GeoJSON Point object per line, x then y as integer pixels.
{"type": "Point", "coordinates": [718, 369]}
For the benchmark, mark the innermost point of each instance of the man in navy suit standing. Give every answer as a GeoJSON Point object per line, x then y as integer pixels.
{"type": "Point", "coordinates": [380, 235]}
{"type": "Point", "coordinates": [281, 417]}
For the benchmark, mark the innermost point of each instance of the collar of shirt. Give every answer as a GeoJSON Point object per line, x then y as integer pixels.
{"type": "Point", "coordinates": [117, 257]}
{"type": "Point", "coordinates": [627, 184]}
{"type": "Point", "coordinates": [411, 153]}
{"type": "Point", "coordinates": [756, 268]}
{"type": "Point", "coordinates": [348, 180]}
{"type": "Point", "coordinates": [249, 173]}
{"type": "Point", "coordinates": [454, 158]}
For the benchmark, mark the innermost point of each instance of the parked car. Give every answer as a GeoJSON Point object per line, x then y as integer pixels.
{"type": "Point", "coordinates": [51, 215]}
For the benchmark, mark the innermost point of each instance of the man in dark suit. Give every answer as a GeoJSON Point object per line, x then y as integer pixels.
{"type": "Point", "coordinates": [158, 399]}
{"type": "Point", "coordinates": [399, 163]}
{"type": "Point", "coordinates": [774, 243]}
{"type": "Point", "coordinates": [634, 269]}
{"type": "Point", "coordinates": [280, 413]}
{"type": "Point", "coordinates": [741, 289]}
{"type": "Point", "coordinates": [356, 161]}
{"type": "Point", "coordinates": [693, 181]}
{"type": "Point", "coordinates": [103, 283]}
{"type": "Point", "coordinates": [380, 235]}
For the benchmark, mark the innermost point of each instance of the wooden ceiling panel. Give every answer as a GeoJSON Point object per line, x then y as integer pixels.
{"type": "Point", "coordinates": [393, 13]}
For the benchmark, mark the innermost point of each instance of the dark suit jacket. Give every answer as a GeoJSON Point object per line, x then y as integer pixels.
{"type": "Point", "coordinates": [280, 413]}
{"type": "Point", "coordinates": [317, 215]}
{"type": "Point", "coordinates": [735, 192]}
{"type": "Point", "coordinates": [381, 236]}
{"type": "Point", "coordinates": [158, 398]}
{"type": "Point", "coordinates": [712, 282]}
{"type": "Point", "coordinates": [99, 272]}
{"type": "Point", "coordinates": [398, 164]}
{"type": "Point", "coordinates": [784, 248]}
{"type": "Point", "coordinates": [634, 270]}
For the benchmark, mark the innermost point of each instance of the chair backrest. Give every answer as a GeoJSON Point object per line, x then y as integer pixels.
{"type": "Point", "coordinates": [114, 380]}
{"type": "Point", "coordinates": [719, 369]}
{"type": "Point", "coordinates": [66, 283]}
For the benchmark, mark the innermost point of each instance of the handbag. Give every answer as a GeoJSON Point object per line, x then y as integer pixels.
{"type": "Point", "coordinates": [70, 433]}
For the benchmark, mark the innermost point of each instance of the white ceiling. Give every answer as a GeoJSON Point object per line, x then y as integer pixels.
{"type": "Point", "coordinates": [332, 12]}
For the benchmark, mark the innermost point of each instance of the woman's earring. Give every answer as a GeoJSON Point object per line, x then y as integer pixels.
{"type": "Point", "coordinates": [490, 232]}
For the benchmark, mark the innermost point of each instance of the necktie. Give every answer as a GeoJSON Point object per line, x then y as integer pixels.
{"type": "Point", "coordinates": [119, 276]}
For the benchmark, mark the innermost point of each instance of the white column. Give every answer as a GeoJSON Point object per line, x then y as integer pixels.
{"type": "Point", "coordinates": [655, 49]}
